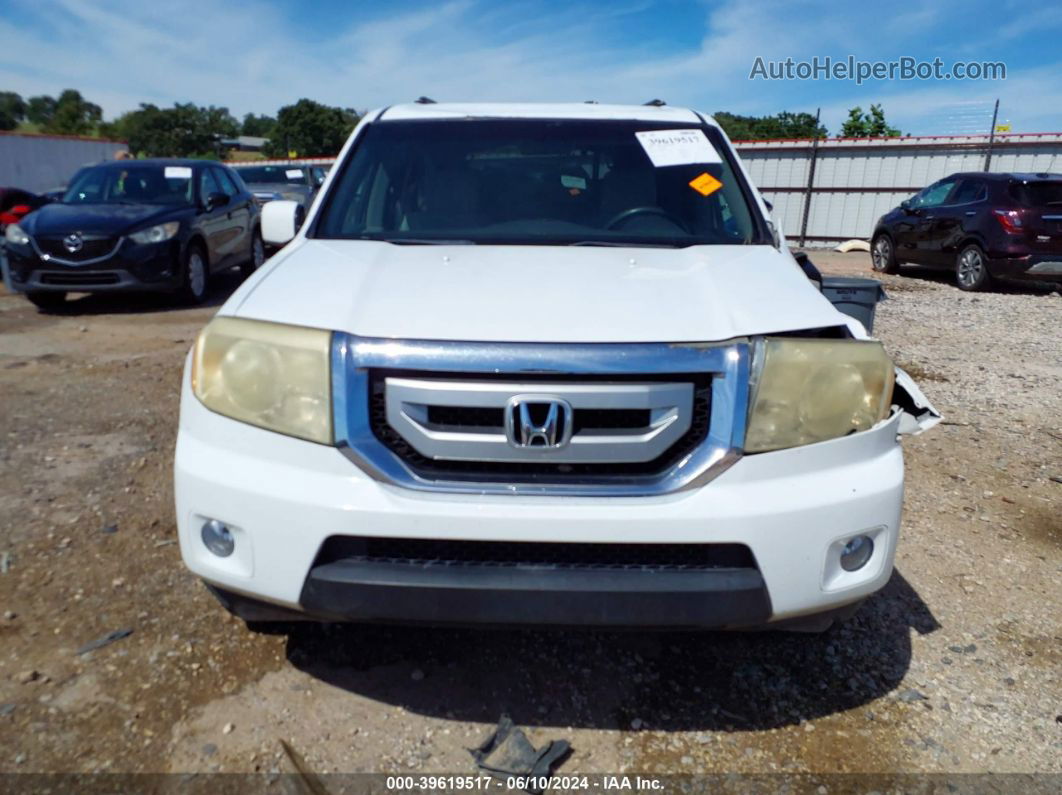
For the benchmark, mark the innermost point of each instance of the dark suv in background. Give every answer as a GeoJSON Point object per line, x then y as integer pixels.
{"type": "Point", "coordinates": [980, 225]}
{"type": "Point", "coordinates": [159, 225]}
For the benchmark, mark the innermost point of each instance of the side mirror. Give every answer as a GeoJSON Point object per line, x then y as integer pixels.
{"type": "Point", "coordinates": [215, 200]}
{"type": "Point", "coordinates": [814, 274]}
{"type": "Point", "coordinates": [905, 205]}
{"type": "Point", "coordinates": [769, 205]}
{"type": "Point", "coordinates": [280, 221]}
{"type": "Point", "coordinates": [318, 180]}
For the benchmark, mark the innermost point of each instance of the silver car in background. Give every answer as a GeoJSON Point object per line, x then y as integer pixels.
{"type": "Point", "coordinates": [298, 183]}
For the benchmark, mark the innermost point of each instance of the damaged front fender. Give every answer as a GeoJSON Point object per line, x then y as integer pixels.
{"type": "Point", "coordinates": [916, 412]}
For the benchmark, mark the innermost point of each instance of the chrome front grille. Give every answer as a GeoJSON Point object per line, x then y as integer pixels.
{"type": "Point", "coordinates": [629, 419]}
{"type": "Point", "coordinates": [411, 403]}
{"type": "Point", "coordinates": [611, 454]}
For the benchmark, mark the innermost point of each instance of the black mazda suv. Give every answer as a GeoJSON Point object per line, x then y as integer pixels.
{"type": "Point", "coordinates": [158, 225]}
{"type": "Point", "coordinates": [982, 226]}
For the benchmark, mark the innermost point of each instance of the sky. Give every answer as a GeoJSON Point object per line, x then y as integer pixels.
{"type": "Point", "coordinates": [257, 55]}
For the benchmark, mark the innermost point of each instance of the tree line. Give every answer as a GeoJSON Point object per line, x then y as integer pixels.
{"type": "Point", "coordinates": [308, 128]}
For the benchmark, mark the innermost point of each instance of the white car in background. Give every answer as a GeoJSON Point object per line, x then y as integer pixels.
{"type": "Point", "coordinates": [539, 364]}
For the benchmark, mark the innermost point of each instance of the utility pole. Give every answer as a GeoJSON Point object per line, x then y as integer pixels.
{"type": "Point", "coordinates": [991, 137]}
{"type": "Point", "coordinates": [811, 180]}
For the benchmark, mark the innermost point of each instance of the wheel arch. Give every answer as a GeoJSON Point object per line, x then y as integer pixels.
{"type": "Point", "coordinates": [196, 240]}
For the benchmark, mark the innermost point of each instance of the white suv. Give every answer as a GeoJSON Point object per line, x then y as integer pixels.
{"type": "Point", "coordinates": [539, 364]}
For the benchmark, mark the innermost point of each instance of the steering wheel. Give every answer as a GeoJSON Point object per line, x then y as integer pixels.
{"type": "Point", "coordinates": [633, 211]}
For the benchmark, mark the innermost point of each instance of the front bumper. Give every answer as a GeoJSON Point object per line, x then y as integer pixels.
{"type": "Point", "coordinates": [439, 593]}
{"type": "Point", "coordinates": [283, 499]}
{"type": "Point", "coordinates": [145, 267]}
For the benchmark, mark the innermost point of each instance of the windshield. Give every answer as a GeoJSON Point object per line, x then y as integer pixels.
{"type": "Point", "coordinates": [260, 175]}
{"type": "Point", "coordinates": [132, 184]}
{"type": "Point", "coordinates": [540, 182]}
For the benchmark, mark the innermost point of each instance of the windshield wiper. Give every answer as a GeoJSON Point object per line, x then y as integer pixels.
{"type": "Point", "coordinates": [614, 244]}
{"type": "Point", "coordinates": [423, 241]}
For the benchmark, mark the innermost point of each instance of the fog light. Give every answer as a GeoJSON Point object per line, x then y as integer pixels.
{"type": "Point", "coordinates": [856, 553]}
{"type": "Point", "coordinates": [217, 538]}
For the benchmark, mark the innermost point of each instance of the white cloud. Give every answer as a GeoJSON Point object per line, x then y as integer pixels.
{"type": "Point", "coordinates": [250, 58]}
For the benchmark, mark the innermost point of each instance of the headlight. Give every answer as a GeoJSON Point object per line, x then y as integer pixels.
{"type": "Point", "coordinates": [268, 374]}
{"type": "Point", "coordinates": [156, 234]}
{"type": "Point", "coordinates": [13, 234]}
{"type": "Point", "coordinates": [812, 390]}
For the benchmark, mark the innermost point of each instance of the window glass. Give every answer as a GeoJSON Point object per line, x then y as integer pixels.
{"type": "Point", "coordinates": [1037, 194]}
{"type": "Point", "coordinates": [535, 181]}
{"type": "Point", "coordinates": [207, 183]}
{"type": "Point", "coordinates": [228, 187]}
{"type": "Point", "coordinates": [970, 190]}
{"type": "Point", "coordinates": [273, 175]}
{"type": "Point", "coordinates": [131, 184]}
{"type": "Point", "coordinates": [934, 195]}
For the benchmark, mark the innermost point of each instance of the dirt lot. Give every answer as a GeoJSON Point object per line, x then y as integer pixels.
{"type": "Point", "coordinates": [954, 667]}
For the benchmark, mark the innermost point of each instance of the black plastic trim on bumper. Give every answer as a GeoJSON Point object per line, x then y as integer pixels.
{"type": "Point", "coordinates": [438, 593]}
{"type": "Point", "coordinates": [1025, 267]}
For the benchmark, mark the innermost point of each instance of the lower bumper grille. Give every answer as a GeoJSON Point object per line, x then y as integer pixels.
{"type": "Point", "coordinates": [422, 551]}
{"type": "Point", "coordinates": [79, 279]}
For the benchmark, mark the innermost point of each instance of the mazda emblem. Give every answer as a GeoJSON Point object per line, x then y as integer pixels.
{"type": "Point", "coordinates": [73, 243]}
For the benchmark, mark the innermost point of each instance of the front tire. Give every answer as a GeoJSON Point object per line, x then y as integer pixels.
{"type": "Point", "coordinates": [257, 255]}
{"type": "Point", "coordinates": [47, 301]}
{"type": "Point", "coordinates": [195, 276]}
{"type": "Point", "coordinates": [971, 269]}
{"type": "Point", "coordinates": [883, 255]}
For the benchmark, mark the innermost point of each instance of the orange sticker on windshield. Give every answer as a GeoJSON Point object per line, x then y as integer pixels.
{"type": "Point", "coordinates": [705, 184]}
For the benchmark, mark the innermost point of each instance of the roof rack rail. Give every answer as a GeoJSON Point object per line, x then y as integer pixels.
{"type": "Point", "coordinates": [425, 101]}
{"type": "Point", "coordinates": [656, 103]}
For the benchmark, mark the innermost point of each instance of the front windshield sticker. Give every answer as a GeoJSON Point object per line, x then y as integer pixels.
{"type": "Point", "coordinates": [293, 173]}
{"type": "Point", "coordinates": [677, 147]}
{"type": "Point", "coordinates": [705, 184]}
{"type": "Point", "coordinates": [178, 172]}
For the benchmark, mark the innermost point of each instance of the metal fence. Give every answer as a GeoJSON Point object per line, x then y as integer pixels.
{"type": "Point", "coordinates": [42, 162]}
{"type": "Point", "coordinates": [835, 189]}
{"type": "Point", "coordinates": [832, 190]}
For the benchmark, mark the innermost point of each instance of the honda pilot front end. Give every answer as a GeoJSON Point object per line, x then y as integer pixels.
{"type": "Point", "coordinates": [546, 365]}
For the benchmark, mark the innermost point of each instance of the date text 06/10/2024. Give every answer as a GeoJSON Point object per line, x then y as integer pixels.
{"type": "Point", "coordinates": [454, 783]}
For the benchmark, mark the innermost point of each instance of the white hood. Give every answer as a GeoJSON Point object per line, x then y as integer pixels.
{"type": "Point", "coordinates": [534, 293]}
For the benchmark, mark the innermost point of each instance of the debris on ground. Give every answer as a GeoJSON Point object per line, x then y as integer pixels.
{"type": "Point", "coordinates": [5, 562]}
{"type": "Point", "coordinates": [508, 752]}
{"type": "Point", "coordinates": [308, 782]}
{"type": "Point", "coordinates": [106, 640]}
{"type": "Point", "coordinates": [910, 695]}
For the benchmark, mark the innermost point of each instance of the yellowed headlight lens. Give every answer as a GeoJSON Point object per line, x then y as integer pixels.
{"type": "Point", "coordinates": [813, 390]}
{"type": "Point", "coordinates": [267, 374]}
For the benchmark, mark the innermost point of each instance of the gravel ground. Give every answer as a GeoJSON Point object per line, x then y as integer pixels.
{"type": "Point", "coordinates": [954, 667]}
